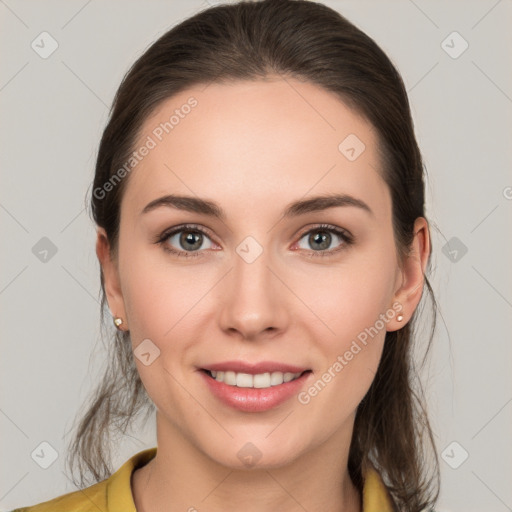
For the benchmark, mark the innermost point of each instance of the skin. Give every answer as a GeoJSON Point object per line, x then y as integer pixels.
{"type": "Point", "coordinates": [254, 147]}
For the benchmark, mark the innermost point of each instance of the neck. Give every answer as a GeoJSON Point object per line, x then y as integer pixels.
{"type": "Point", "coordinates": [181, 477]}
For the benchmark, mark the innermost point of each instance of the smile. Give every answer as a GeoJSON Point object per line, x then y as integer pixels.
{"type": "Point", "coordinates": [254, 392]}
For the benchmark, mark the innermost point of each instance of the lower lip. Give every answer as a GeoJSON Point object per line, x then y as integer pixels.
{"type": "Point", "coordinates": [254, 399]}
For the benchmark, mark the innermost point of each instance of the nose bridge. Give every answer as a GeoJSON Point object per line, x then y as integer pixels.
{"type": "Point", "coordinates": [251, 267]}
{"type": "Point", "coordinates": [251, 300]}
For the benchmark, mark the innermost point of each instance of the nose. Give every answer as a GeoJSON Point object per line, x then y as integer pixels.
{"type": "Point", "coordinates": [253, 302]}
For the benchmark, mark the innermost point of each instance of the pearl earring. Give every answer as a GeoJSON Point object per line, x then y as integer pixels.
{"type": "Point", "coordinates": [117, 322]}
{"type": "Point", "coordinates": [400, 317]}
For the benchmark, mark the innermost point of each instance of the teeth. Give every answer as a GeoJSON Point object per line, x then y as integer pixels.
{"type": "Point", "coordinates": [260, 380]}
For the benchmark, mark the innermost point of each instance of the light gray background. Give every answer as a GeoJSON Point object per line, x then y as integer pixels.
{"type": "Point", "coordinates": [53, 114]}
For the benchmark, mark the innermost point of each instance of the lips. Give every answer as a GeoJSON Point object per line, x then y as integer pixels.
{"type": "Point", "coordinates": [254, 387]}
{"type": "Point", "coordinates": [254, 368]}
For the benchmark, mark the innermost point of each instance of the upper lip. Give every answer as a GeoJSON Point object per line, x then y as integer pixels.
{"type": "Point", "coordinates": [254, 368]}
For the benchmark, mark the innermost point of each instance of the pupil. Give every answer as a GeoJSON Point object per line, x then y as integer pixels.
{"type": "Point", "coordinates": [321, 239]}
{"type": "Point", "coordinates": [189, 239]}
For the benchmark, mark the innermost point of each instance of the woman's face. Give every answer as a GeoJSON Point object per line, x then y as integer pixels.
{"type": "Point", "coordinates": [259, 286]}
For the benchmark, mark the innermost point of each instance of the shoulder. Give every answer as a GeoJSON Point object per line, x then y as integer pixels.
{"type": "Point", "coordinates": [89, 499]}
{"type": "Point", "coordinates": [113, 494]}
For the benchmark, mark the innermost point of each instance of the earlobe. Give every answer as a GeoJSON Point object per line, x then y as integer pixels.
{"type": "Point", "coordinates": [412, 273]}
{"type": "Point", "coordinates": [111, 278]}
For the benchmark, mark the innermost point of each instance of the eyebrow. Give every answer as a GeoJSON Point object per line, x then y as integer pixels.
{"type": "Point", "coordinates": [300, 207]}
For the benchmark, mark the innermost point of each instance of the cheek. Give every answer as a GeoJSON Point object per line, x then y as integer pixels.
{"type": "Point", "coordinates": [347, 303]}
{"type": "Point", "coordinates": [159, 301]}
{"type": "Point", "coordinates": [349, 343]}
{"type": "Point", "coordinates": [158, 292]}
{"type": "Point", "coordinates": [345, 300]}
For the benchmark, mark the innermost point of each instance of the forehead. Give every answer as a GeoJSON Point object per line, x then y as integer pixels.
{"type": "Point", "coordinates": [254, 144]}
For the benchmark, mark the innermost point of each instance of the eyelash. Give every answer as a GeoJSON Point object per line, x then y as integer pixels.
{"type": "Point", "coordinates": [162, 239]}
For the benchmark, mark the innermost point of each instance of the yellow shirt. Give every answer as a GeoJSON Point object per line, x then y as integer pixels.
{"type": "Point", "coordinates": [114, 494]}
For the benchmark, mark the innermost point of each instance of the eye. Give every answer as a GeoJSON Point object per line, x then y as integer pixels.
{"type": "Point", "coordinates": [189, 237]}
{"type": "Point", "coordinates": [321, 237]}
{"type": "Point", "coordinates": [190, 240]}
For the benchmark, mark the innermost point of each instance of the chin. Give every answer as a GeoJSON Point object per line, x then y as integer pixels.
{"type": "Point", "coordinates": [253, 452]}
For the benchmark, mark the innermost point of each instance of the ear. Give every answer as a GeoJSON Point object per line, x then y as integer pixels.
{"type": "Point", "coordinates": [410, 278]}
{"type": "Point", "coordinates": [111, 279]}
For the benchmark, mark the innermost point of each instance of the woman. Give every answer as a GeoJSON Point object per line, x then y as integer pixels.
{"type": "Point", "coordinates": [259, 200]}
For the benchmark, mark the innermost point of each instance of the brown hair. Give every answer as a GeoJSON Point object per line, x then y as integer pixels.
{"type": "Point", "coordinates": [250, 41]}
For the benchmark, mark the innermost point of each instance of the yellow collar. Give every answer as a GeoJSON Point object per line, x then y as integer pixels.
{"type": "Point", "coordinates": [114, 494]}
